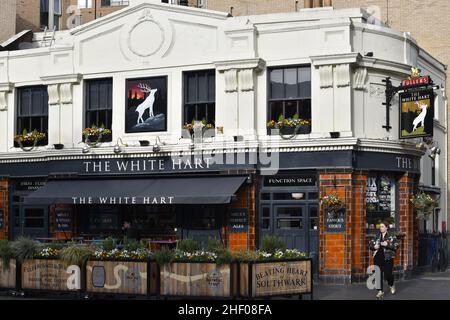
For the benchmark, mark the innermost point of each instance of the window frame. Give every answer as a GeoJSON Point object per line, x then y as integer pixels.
{"type": "Point", "coordinates": [109, 111]}
{"type": "Point", "coordinates": [43, 117]}
{"type": "Point", "coordinates": [196, 103]}
{"type": "Point", "coordinates": [284, 100]}
{"type": "Point", "coordinates": [395, 178]}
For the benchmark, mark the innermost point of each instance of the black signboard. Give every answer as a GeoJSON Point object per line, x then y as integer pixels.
{"type": "Point", "coordinates": [416, 114]}
{"type": "Point", "coordinates": [290, 181]}
{"type": "Point", "coordinates": [2, 221]}
{"type": "Point", "coordinates": [63, 219]}
{"type": "Point", "coordinates": [335, 221]}
{"type": "Point", "coordinates": [238, 220]}
{"type": "Point", "coordinates": [29, 185]}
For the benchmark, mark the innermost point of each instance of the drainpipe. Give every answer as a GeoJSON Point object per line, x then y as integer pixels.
{"type": "Point", "coordinates": [51, 14]}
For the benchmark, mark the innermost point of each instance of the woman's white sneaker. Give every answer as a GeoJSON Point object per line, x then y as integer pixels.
{"type": "Point", "coordinates": [393, 290]}
{"type": "Point", "coordinates": [380, 294]}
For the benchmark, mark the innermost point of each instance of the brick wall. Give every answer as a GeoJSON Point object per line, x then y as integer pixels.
{"type": "Point", "coordinates": [28, 15]}
{"type": "Point", "coordinates": [4, 205]}
{"type": "Point", "coordinates": [7, 19]}
{"type": "Point", "coordinates": [245, 240]}
{"type": "Point", "coordinates": [344, 257]}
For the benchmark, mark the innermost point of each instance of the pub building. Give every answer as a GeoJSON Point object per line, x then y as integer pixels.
{"type": "Point", "coordinates": [145, 73]}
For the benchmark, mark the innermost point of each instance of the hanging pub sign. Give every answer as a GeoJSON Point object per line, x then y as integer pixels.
{"type": "Point", "coordinates": [416, 113]}
{"type": "Point", "coordinates": [335, 220]}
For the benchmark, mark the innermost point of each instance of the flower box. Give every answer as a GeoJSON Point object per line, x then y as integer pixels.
{"type": "Point", "coordinates": [183, 279]}
{"type": "Point", "coordinates": [49, 275]}
{"type": "Point", "coordinates": [263, 279]}
{"type": "Point", "coordinates": [8, 275]}
{"type": "Point", "coordinates": [121, 277]}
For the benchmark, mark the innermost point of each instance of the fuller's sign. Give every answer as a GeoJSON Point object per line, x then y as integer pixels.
{"type": "Point", "coordinates": [421, 81]}
{"type": "Point", "coordinates": [416, 114]}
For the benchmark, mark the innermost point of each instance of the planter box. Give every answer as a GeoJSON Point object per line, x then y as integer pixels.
{"type": "Point", "coordinates": [197, 280]}
{"type": "Point", "coordinates": [51, 275]}
{"type": "Point", "coordinates": [121, 277]}
{"type": "Point", "coordinates": [8, 276]}
{"type": "Point", "coordinates": [283, 278]}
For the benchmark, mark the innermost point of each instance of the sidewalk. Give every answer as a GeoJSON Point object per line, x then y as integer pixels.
{"type": "Point", "coordinates": [428, 286]}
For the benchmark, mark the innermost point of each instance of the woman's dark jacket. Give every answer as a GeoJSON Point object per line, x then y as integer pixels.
{"type": "Point", "coordinates": [390, 249]}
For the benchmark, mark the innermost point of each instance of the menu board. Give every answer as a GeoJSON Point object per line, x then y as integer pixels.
{"type": "Point", "coordinates": [335, 221]}
{"type": "Point", "coordinates": [238, 220]}
{"type": "Point", "coordinates": [384, 193]}
{"type": "Point", "coordinates": [63, 219]}
{"type": "Point", "coordinates": [380, 200]}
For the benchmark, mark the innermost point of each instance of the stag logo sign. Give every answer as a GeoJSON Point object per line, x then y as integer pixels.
{"type": "Point", "coordinates": [416, 114]}
{"type": "Point", "coordinates": [146, 107]}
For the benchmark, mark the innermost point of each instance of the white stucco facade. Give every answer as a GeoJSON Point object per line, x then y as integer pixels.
{"type": "Point", "coordinates": [150, 38]}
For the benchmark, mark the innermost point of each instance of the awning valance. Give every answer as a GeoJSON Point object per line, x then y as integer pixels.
{"type": "Point", "coordinates": [204, 190]}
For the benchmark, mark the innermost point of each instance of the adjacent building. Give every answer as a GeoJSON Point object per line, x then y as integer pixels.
{"type": "Point", "coordinates": [186, 99]}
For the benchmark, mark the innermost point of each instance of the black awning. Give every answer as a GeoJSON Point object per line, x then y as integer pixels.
{"type": "Point", "coordinates": [210, 190]}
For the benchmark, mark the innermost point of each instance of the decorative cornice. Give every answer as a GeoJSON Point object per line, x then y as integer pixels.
{"type": "Point", "coordinates": [64, 78]}
{"type": "Point", "coordinates": [6, 86]}
{"type": "Point", "coordinates": [335, 59]}
{"type": "Point", "coordinates": [254, 63]}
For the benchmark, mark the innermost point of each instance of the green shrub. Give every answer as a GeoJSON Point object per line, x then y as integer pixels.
{"type": "Point", "coordinates": [133, 245]}
{"type": "Point", "coordinates": [244, 256]}
{"type": "Point", "coordinates": [6, 253]}
{"type": "Point", "coordinates": [76, 254]}
{"type": "Point", "coordinates": [224, 257]}
{"type": "Point", "coordinates": [188, 245]}
{"type": "Point", "coordinates": [214, 245]}
{"type": "Point", "coordinates": [272, 244]}
{"type": "Point", "coordinates": [56, 245]}
{"type": "Point", "coordinates": [25, 248]}
{"type": "Point", "coordinates": [108, 244]}
{"type": "Point", "coordinates": [164, 256]}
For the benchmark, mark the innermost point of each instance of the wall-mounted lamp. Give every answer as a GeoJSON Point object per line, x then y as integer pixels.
{"type": "Point", "coordinates": [117, 148]}
{"type": "Point", "coordinates": [298, 195]}
{"type": "Point", "coordinates": [369, 54]}
{"type": "Point", "coordinates": [334, 181]}
{"type": "Point", "coordinates": [86, 148]}
{"type": "Point", "coordinates": [335, 135]}
{"type": "Point", "coordinates": [158, 146]}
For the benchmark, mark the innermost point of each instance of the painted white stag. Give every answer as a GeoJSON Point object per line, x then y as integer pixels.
{"type": "Point", "coordinates": [421, 117]}
{"type": "Point", "coordinates": [147, 104]}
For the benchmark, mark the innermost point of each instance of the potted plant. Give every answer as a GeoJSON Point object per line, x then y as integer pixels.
{"type": "Point", "coordinates": [288, 128]}
{"type": "Point", "coordinates": [125, 269]}
{"type": "Point", "coordinates": [27, 141]}
{"type": "Point", "coordinates": [94, 135]}
{"type": "Point", "coordinates": [273, 264]}
{"type": "Point", "coordinates": [198, 129]}
{"type": "Point", "coordinates": [7, 265]}
{"type": "Point", "coordinates": [191, 271]}
{"type": "Point", "coordinates": [424, 205]}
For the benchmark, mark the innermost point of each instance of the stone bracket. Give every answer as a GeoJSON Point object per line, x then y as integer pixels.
{"type": "Point", "coordinates": [5, 88]}
{"type": "Point", "coordinates": [239, 73]}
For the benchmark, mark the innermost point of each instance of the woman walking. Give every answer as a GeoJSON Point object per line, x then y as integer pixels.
{"type": "Point", "coordinates": [384, 246]}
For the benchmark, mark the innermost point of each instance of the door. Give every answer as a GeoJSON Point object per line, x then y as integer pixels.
{"type": "Point", "coordinates": [296, 224]}
{"type": "Point", "coordinates": [30, 222]}
{"type": "Point", "coordinates": [290, 223]}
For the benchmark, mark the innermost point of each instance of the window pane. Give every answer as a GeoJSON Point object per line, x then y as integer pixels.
{"type": "Point", "coordinates": [25, 102]}
{"type": "Point", "coordinates": [276, 84]}
{"type": "Point", "coordinates": [290, 81]}
{"type": "Point", "coordinates": [266, 224]}
{"type": "Point", "coordinates": [266, 212]}
{"type": "Point", "coordinates": [93, 103]}
{"type": "Point", "coordinates": [313, 196]}
{"type": "Point", "coordinates": [290, 212]}
{"type": "Point", "coordinates": [202, 87]}
{"type": "Point", "coordinates": [305, 109]}
{"type": "Point", "coordinates": [314, 223]}
{"type": "Point", "coordinates": [313, 212]}
{"type": "Point", "coordinates": [276, 110]}
{"type": "Point", "coordinates": [212, 87]}
{"type": "Point", "coordinates": [304, 79]}
{"type": "Point", "coordinates": [290, 108]}
{"type": "Point", "coordinates": [201, 112]}
{"type": "Point", "coordinates": [265, 196]}
{"type": "Point", "coordinates": [211, 118]}
{"type": "Point", "coordinates": [191, 95]}
{"type": "Point", "coordinates": [289, 224]}
{"type": "Point", "coordinates": [189, 113]}
{"type": "Point", "coordinates": [36, 103]}
{"type": "Point", "coordinates": [34, 223]}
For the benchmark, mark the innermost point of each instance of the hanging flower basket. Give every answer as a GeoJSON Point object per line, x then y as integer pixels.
{"type": "Point", "coordinates": [331, 203]}
{"type": "Point", "coordinates": [291, 127]}
{"type": "Point", "coordinates": [93, 136]}
{"type": "Point", "coordinates": [424, 205]}
{"type": "Point", "coordinates": [27, 141]}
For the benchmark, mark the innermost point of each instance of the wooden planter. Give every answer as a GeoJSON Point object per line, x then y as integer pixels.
{"type": "Point", "coordinates": [121, 277]}
{"type": "Point", "coordinates": [198, 280]}
{"type": "Point", "coordinates": [48, 275]}
{"type": "Point", "coordinates": [8, 276]}
{"type": "Point", "coordinates": [268, 279]}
